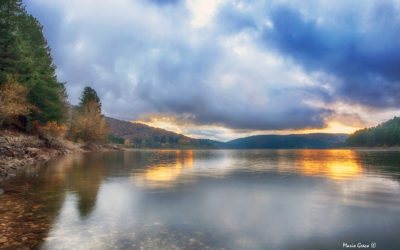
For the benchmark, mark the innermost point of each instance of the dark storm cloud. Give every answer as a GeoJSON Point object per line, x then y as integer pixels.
{"type": "Point", "coordinates": [361, 50]}
{"type": "Point", "coordinates": [147, 57]}
{"type": "Point", "coordinates": [182, 88]}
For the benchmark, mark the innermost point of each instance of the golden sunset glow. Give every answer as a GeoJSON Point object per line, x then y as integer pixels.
{"type": "Point", "coordinates": [174, 124]}
{"type": "Point", "coordinates": [188, 159]}
{"type": "Point", "coordinates": [165, 174]}
{"type": "Point", "coordinates": [333, 127]}
{"type": "Point", "coordinates": [335, 164]}
{"type": "Point", "coordinates": [169, 123]}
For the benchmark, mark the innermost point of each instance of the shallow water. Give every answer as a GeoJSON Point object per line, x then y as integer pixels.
{"type": "Point", "coordinates": [232, 199]}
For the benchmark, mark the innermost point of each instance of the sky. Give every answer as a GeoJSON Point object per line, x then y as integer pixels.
{"type": "Point", "coordinates": [223, 69]}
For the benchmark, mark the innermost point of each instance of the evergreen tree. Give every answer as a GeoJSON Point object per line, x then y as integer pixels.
{"type": "Point", "coordinates": [385, 134]}
{"type": "Point", "coordinates": [10, 11]}
{"type": "Point", "coordinates": [25, 54]}
{"type": "Point", "coordinates": [89, 95]}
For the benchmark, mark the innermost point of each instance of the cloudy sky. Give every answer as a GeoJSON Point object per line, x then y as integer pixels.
{"type": "Point", "coordinates": [224, 69]}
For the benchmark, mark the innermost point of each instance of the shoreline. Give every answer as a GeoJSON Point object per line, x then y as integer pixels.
{"type": "Point", "coordinates": [19, 151]}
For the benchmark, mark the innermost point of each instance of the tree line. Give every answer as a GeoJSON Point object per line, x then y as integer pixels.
{"type": "Point", "coordinates": [31, 97]}
{"type": "Point", "coordinates": [385, 134]}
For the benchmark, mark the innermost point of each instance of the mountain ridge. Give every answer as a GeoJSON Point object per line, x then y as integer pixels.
{"type": "Point", "coordinates": [290, 141]}
{"type": "Point", "coordinates": [142, 135]}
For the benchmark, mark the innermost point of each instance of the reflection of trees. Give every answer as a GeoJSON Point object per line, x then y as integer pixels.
{"type": "Point", "coordinates": [27, 209]}
{"type": "Point", "coordinates": [84, 179]}
{"type": "Point", "coordinates": [30, 204]}
{"type": "Point", "coordinates": [384, 161]}
{"type": "Point", "coordinates": [81, 175]}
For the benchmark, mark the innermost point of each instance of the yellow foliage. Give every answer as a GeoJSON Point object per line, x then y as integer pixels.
{"type": "Point", "coordinates": [13, 100]}
{"type": "Point", "coordinates": [89, 124]}
{"type": "Point", "coordinates": [127, 142]}
{"type": "Point", "coordinates": [53, 129]}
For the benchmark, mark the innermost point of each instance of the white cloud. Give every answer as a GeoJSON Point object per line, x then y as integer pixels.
{"type": "Point", "coordinates": [176, 59]}
{"type": "Point", "coordinates": [202, 11]}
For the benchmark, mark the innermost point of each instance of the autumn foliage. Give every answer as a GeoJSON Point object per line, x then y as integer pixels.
{"type": "Point", "coordinates": [89, 125]}
{"type": "Point", "coordinates": [53, 129]}
{"type": "Point", "coordinates": [13, 100]}
{"type": "Point", "coordinates": [31, 97]}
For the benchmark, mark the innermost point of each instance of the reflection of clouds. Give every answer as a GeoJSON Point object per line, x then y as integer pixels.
{"type": "Point", "coordinates": [335, 164]}
{"type": "Point", "coordinates": [176, 167]}
{"type": "Point", "coordinates": [369, 191]}
{"type": "Point", "coordinates": [184, 166]}
{"type": "Point", "coordinates": [165, 173]}
{"type": "Point", "coordinates": [246, 211]}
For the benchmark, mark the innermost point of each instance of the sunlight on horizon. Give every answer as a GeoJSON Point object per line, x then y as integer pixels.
{"type": "Point", "coordinates": [225, 134]}
{"type": "Point", "coordinates": [333, 127]}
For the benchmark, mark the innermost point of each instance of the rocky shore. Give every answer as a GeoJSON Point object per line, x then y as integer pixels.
{"type": "Point", "coordinates": [19, 151]}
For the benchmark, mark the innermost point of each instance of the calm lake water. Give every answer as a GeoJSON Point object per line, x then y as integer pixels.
{"type": "Point", "coordinates": [231, 199]}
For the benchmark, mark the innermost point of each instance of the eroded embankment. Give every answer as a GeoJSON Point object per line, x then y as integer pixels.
{"type": "Point", "coordinates": [19, 151]}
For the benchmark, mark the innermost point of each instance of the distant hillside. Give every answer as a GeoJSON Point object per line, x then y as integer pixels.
{"type": "Point", "coordinates": [288, 141]}
{"type": "Point", "coordinates": [385, 134]}
{"type": "Point", "coordinates": [142, 135]}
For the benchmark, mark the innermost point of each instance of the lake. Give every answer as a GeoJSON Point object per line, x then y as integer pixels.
{"type": "Point", "coordinates": [207, 199]}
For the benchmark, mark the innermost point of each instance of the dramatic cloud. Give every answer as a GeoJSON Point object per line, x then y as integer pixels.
{"type": "Point", "coordinates": [249, 65]}
{"type": "Point", "coordinates": [360, 49]}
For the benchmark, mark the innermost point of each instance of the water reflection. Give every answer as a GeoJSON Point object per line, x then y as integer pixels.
{"type": "Point", "coordinates": [165, 173]}
{"type": "Point", "coordinates": [335, 164]}
{"type": "Point", "coordinates": [151, 199]}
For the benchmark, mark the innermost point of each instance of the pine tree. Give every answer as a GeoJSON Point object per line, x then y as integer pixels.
{"type": "Point", "coordinates": [10, 11]}
{"type": "Point", "coordinates": [89, 95]}
{"type": "Point", "coordinates": [385, 134]}
{"type": "Point", "coordinates": [25, 54]}
{"type": "Point", "coordinates": [38, 72]}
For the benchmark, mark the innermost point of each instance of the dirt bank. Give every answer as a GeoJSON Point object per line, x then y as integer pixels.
{"type": "Point", "coordinates": [19, 150]}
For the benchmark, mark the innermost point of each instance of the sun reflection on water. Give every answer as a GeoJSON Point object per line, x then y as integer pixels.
{"type": "Point", "coordinates": [335, 164]}
{"type": "Point", "coordinates": [167, 173]}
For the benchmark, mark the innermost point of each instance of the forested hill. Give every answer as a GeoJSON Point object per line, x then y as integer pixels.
{"type": "Point", "coordinates": [142, 135]}
{"type": "Point", "coordinates": [317, 140]}
{"type": "Point", "coordinates": [145, 136]}
{"type": "Point", "coordinates": [385, 134]}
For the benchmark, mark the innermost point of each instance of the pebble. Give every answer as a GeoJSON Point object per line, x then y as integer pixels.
{"type": "Point", "coordinates": [1, 191]}
{"type": "Point", "coordinates": [3, 240]}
